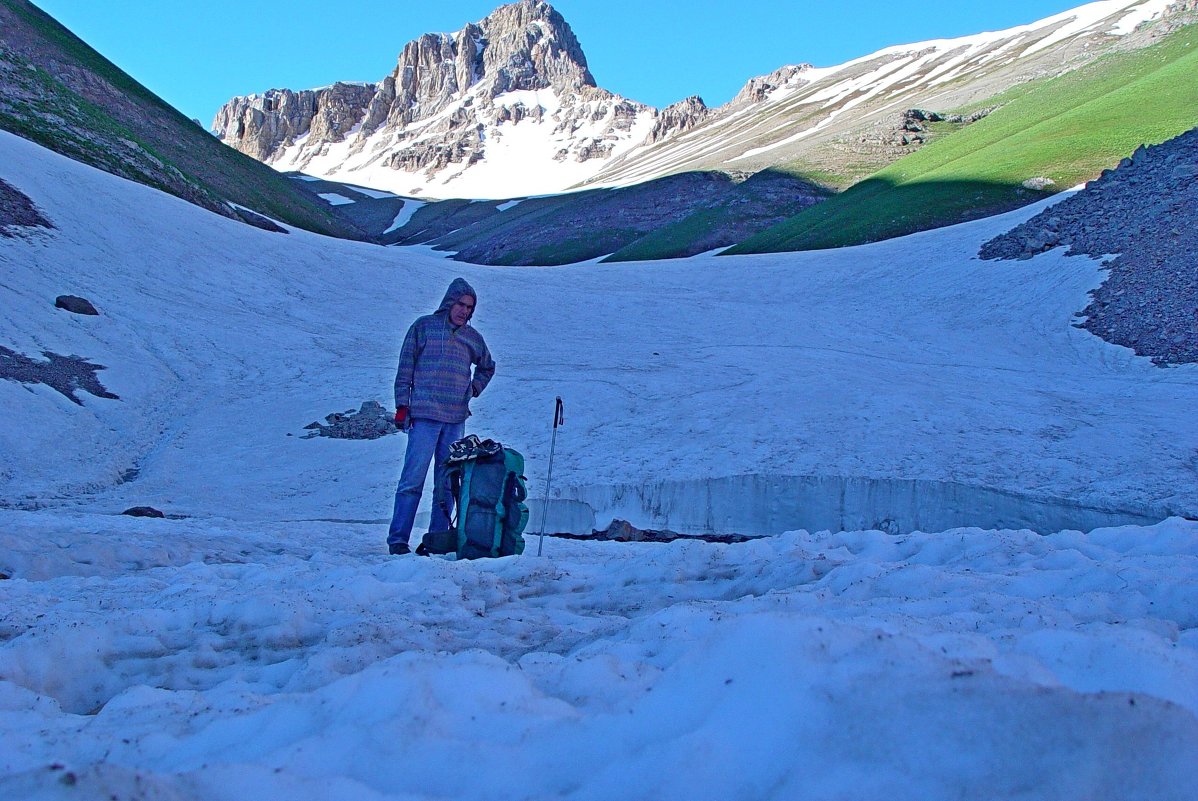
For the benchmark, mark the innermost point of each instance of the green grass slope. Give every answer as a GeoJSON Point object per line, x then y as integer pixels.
{"type": "Point", "coordinates": [59, 92]}
{"type": "Point", "coordinates": [668, 217]}
{"type": "Point", "coordinates": [1066, 129]}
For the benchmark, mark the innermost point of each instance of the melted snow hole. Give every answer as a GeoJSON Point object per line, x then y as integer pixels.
{"type": "Point", "coordinates": [764, 505]}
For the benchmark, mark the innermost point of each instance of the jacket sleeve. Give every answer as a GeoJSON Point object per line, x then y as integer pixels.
{"type": "Point", "coordinates": [406, 373]}
{"type": "Point", "coordinates": [484, 369]}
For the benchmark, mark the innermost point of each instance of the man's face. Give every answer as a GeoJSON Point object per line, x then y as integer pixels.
{"type": "Point", "coordinates": [461, 311]}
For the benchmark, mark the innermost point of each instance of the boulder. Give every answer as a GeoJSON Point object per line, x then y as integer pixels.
{"type": "Point", "coordinates": [75, 304]}
{"type": "Point", "coordinates": [143, 511]}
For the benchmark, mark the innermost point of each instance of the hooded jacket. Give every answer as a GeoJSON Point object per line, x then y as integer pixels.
{"type": "Point", "coordinates": [435, 379]}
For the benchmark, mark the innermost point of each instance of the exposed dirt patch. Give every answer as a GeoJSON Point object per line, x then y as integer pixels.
{"type": "Point", "coordinates": [18, 211]}
{"type": "Point", "coordinates": [65, 374]}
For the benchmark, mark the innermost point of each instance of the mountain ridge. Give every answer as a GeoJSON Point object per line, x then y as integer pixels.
{"type": "Point", "coordinates": [829, 123]}
{"type": "Point", "coordinates": [58, 91]}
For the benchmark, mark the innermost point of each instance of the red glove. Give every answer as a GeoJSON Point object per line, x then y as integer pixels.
{"type": "Point", "coordinates": [401, 416]}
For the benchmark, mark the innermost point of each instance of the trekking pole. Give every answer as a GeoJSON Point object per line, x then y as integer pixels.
{"type": "Point", "coordinates": [559, 418]}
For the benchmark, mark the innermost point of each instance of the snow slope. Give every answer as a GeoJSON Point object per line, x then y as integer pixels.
{"type": "Point", "coordinates": [263, 645]}
{"type": "Point", "coordinates": [213, 660]}
{"type": "Point", "coordinates": [908, 360]}
{"type": "Point", "coordinates": [528, 156]}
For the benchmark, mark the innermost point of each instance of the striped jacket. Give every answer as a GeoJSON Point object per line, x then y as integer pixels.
{"type": "Point", "coordinates": [434, 378]}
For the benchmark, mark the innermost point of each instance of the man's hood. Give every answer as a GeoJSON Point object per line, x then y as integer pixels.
{"type": "Point", "coordinates": [457, 288]}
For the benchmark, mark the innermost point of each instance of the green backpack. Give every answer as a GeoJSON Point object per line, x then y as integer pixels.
{"type": "Point", "coordinates": [487, 482]}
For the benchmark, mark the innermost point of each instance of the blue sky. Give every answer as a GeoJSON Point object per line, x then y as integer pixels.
{"type": "Point", "coordinates": [196, 55]}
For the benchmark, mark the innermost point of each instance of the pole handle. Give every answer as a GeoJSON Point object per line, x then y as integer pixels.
{"type": "Point", "coordinates": [559, 414]}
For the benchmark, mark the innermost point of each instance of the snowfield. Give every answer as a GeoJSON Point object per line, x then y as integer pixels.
{"type": "Point", "coordinates": [215, 660]}
{"type": "Point", "coordinates": [898, 418]}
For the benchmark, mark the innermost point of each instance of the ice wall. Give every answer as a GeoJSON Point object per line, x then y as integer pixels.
{"type": "Point", "coordinates": [764, 505]}
{"type": "Point", "coordinates": [564, 516]}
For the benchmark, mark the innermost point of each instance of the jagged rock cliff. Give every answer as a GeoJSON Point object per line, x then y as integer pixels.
{"type": "Point", "coordinates": [451, 99]}
{"type": "Point", "coordinates": [261, 124]}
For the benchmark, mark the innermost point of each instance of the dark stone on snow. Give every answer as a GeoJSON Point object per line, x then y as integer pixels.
{"type": "Point", "coordinates": [75, 304]}
{"type": "Point", "coordinates": [143, 511]}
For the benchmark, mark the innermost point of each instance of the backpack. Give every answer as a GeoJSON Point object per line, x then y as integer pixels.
{"type": "Point", "coordinates": [487, 482]}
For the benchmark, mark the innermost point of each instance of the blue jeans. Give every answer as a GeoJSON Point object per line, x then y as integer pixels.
{"type": "Point", "coordinates": [428, 440]}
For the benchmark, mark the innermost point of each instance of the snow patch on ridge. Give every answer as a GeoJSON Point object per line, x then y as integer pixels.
{"type": "Point", "coordinates": [410, 207]}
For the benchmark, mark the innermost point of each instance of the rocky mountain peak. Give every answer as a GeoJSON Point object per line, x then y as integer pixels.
{"type": "Point", "coordinates": [451, 97]}
{"type": "Point", "coordinates": [525, 45]}
{"type": "Point", "coordinates": [528, 45]}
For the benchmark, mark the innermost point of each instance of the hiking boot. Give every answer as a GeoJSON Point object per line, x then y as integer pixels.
{"type": "Point", "coordinates": [400, 548]}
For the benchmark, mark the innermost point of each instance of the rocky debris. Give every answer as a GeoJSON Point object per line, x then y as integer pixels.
{"type": "Point", "coordinates": [143, 511]}
{"type": "Point", "coordinates": [18, 211]}
{"type": "Point", "coordinates": [371, 421]}
{"type": "Point", "coordinates": [464, 147]}
{"type": "Point", "coordinates": [75, 305]}
{"type": "Point", "coordinates": [899, 134]}
{"type": "Point", "coordinates": [1145, 210]}
{"type": "Point", "coordinates": [623, 531]}
{"type": "Point", "coordinates": [913, 129]}
{"type": "Point", "coordinates": [914, 116]}
{"type": "Point", "coordinates": [65, 374]}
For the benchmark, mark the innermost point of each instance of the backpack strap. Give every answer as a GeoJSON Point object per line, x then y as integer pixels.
{"type": "Point", "coordinates": [500, 509]}
{"type": "Point", "coordinates": [463, 497]}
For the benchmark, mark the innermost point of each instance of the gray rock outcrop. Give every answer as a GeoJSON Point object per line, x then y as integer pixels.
{"type": "Point", "coordinates": [679, 118]}
{"type": "Point", "coordinates": [760, 88]}
{"type": "Point", "coordinates": [262, 124]}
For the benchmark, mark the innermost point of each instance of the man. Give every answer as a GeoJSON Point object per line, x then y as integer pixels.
{"type": "Point", "coordinates": [433, 389]}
